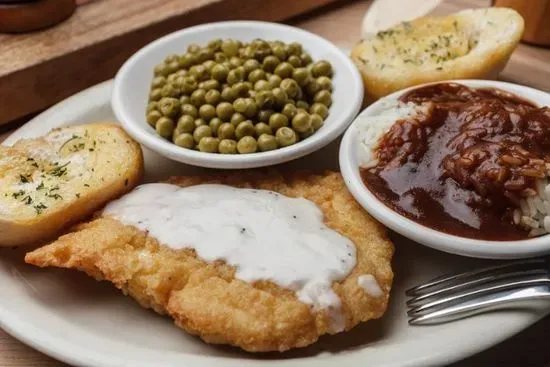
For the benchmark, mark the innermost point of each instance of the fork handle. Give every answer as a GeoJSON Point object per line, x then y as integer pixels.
{"type": "Point", "coordinates": [490, 302]}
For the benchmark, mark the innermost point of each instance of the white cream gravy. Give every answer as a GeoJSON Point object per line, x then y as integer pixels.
{"type": "Point", "coordinates": [265, 235]}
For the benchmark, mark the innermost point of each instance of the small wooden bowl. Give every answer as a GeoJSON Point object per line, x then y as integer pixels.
{"type": "Point", "coordinates": [17, 16]}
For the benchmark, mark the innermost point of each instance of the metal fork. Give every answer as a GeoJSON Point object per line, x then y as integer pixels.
{"type": "Point", "coordinates": [462, 295]}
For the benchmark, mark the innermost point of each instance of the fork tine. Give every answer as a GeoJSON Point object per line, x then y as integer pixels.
{"type": "Point", "coordinates": [443, 280]}
{"type": "Point", "coordinates": [470, 284]}
{"type": "Point", "coordinates": [490, 302]}
{"type": "Point", "coordinates": [472, 294]}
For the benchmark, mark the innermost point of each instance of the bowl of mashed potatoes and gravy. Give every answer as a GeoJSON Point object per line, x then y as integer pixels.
{"type": "Point", "coordinates": [460, 166]}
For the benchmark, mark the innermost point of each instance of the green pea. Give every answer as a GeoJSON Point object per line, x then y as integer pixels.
{"type": "Point", "coordinates": [274, 81]}
{"type": "Point", "coordinates": [295, 61]}
{"type": "Point", "coordinates": [245, 128]}
{"type": "Point", "coordinates": [319, 109]}
{"type": "Point", "coordinates": [251, 108]}
{"type": "Point", "coordinates": [227, 146]}
{"type": "Point", "coordinates": [280, 97]}
{"type": "Point", "coordinates": [215, 44]}
{"type": "Point", "coordinates": [256, 75]}
{"type": "Point", "coordinates": [235, 62]}
{"type": "Point", "coordinates": [290, 87]}
{"type": "Point", "coordinates": [209, 84]}
{"type": "Point", "coordinates": [215, 124]}
{"type": "Point", "coordinates": [284, 70]}
{"type": "Point", "coordinates": [250, 65]}
{"type": "Point", "coordinates": [237, 118]}
{"type": "Point", "coordinates": [306, 59]}
{"type": "Point", "coordinates": [207, 112]}
{"type": "Point", "coordinates": [185, 140]}
{"type": "Point", "coordinates": [264, 115]}
{"type": "Point", "coordinates": [186, 124]}
{"type": "Point", "coordinates": [324, 83]}
{"type": "Point", "coordinates": [321, 68]}
{"type": "Point", "coordinates": [187, 84]}
{"type": "Point", "coordinates": [165, 127]}
{"type": "Point", "coordinates": [262, 128]}
{"type": "Point", "coordinates": [324, 97]}
{"type": "Point", "coordinates": [302, 76]}
{"type": "Point", "coordinates": [199, 72]}
{"type": "Point", "coordinates": [301, 122]}
{"type": "Point", "coordinates": [289, 110]}
{"type": "Point", "coordinates": [226, 131]}
{"type": "Point", "coordinates": [228, 94]}
{"type": "Point", "coordinates": [190, 110]}
{"type": "Point", "coordinates": [205, 54]}
{"type": "Point", "coordinates": [212, 97]}
{"type": "Point", "coordinates": [200, 122]}
{"type": "Point", "coordinates": [186, 60]}
{"type": "Point", "coordinates": [169, 107]}
{"type": "Point", "coordinates": [224, 110]}
{"type": "Point", "coordinates": [209, 64]}
{"type": "Point", "coordinates": [270, 63]}
{"type": "Point", "coordinates": [198, 97]}
{"type": "Point", "coordinates": [155, 94]}
{"type": "Point", "coordinates": [158, 81]}
{"type": "Point", "coordinates": [312, 87]}
{"type": "Point", "coordinates": [153, 117]}
{"type": "Point", "coordinates": [209, 144]}
{"type": "Point", "coordinates": [219, 57]}
{"type": "Point", "coordinates": [302, 105]}
{"type": "Point", "coordinates": [279, 52]}
{"type": "Point", "coordinates": [239, 105]}
{"type": "Point", "coordinates": [235, 76]}
{"type": "Point", "coordinates": [161, 70]}
{"type": "Point", "coordinates": [219, 72]}
{"type": "Point", "coordinates": [173, 66]}
{"type": "Point", "coordinates": [316, 121]}
{"type": "Point", "coordinates": [262, 85]}
{"type": "Point", "coordinates": [230, 48]}
{"type": "Point", "coordinates": [277, 120]}
{"type": "Point", "coordinates": [193, 48]}
{"type": "Point", "coordinates": [285, 136]}
{"type": "Point", "coordinates": [267, 142]}
{"type": "Point", "coordinates": [200, 132]}
{"type": "Point", "coordinates": [294, 48]}
{"type": "Point", "coordinates": [169, 91]}
{"type": "Point", "coordinates": [185, 100]}
{"type": "Point", "coordinates": [264, 99]}
{"type": "Point", "coordinates": [299, 94]}
{"type": "Point", "coordinates": [241, 89]}
{"type": "Point", "coordinates": [171, 78]}
{"type": "Point", "coordinates": [247, 145]}
{"type": "Point", "coordinates": [182, 72]}
{"type": "Point", "coordinates": [152, 106]}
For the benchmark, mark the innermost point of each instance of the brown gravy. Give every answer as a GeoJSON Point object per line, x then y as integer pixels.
{"type": "Point", "coordinates": [464, 166]}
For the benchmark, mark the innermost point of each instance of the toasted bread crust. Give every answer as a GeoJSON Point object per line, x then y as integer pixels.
{"type": "Point", "coordinates": [205, 298]}
{"type": "Point", "coordinates": [479, 43]}
{"type": "Point", "coordinates": [101, 170]}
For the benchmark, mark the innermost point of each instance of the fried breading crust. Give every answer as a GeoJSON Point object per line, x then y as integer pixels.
{"type": "Point", "coordinates": [205, 298]}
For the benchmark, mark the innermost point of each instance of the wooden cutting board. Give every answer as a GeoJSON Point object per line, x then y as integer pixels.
{"type": "Point", "coordinates": [41, 68]}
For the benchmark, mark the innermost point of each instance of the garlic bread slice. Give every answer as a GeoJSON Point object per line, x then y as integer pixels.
{"type": "Point", "coordinates": [53, 181]}
{"type": "Point", "coordinates": [471, 44]}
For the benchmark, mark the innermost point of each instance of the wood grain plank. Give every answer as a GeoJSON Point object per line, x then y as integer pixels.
{"type": "Point", "coordinates": [39, 69]}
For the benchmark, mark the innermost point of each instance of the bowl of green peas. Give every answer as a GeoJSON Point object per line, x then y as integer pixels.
{"type": "Point", "coordinates": [238, 94]}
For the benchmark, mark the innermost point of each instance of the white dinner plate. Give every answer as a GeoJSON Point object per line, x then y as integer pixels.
{"type": "Point", "coordinates": [75, 319]}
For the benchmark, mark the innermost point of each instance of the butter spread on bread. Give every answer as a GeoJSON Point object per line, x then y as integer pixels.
{"type": "Point", "coordinates": [471, 44]}
{"type": "Point", "coordinates": [50, 182]}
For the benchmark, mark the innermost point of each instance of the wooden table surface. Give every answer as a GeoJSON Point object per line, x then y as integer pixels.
{"type": "Point", "coordinates": [340, 23]}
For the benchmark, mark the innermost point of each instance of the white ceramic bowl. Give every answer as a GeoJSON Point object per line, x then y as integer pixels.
{"type": "Point", "coordinates": [349, 165]}
{"type": "Point", "coordinates": [132, 85]}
